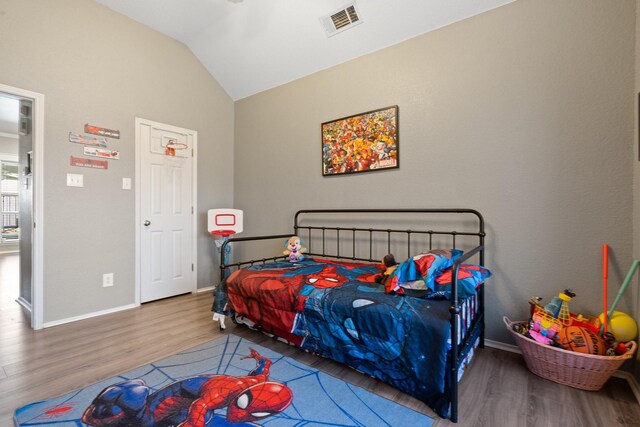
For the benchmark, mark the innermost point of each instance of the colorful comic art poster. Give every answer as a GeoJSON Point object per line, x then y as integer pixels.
{"type": "Point", "coordinates": [360, 143]}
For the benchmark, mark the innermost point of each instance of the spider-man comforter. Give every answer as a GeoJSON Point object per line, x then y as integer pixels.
{"type": "Point", "coordinates": [337, 310]}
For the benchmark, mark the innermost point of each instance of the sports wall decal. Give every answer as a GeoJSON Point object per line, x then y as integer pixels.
{"type": "Point", "coordinates": [99, 152]}
{"type": "Point", "coordinates": [89, 163]}
{"type": "Point", "coordinates": [78, 138]}
{"type": "Point", "coordinates": [96, 130]}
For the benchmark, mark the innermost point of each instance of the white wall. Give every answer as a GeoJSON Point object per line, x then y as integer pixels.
{"type": "Point", "coordinates": [524, 113]}
{"type": "Point", "coordinates": [96, 66]}
{"type": "Point", "coordinates": [8, 145]}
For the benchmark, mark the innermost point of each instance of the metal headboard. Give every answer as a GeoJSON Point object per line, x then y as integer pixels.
{"type": "Point", "coordinates": [333, 241]}
{"type": "Point", "coordinates": [355, 234]}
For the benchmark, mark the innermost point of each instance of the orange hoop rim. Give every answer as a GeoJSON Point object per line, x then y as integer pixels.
{"type": "Point", "coordinates": [176, 145]}
{"type": "Point", "coordinates": [223, 233]}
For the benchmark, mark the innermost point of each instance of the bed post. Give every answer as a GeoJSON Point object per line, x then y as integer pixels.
{"type": "Point", "coordinates": [454, 310]}
{"type": "Point", "coordinates": [481, 296]}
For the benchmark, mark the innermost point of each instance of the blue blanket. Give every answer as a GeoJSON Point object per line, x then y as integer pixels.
{"type": "Point", "coordinates": [400, 340]}
{"type": "Point", "coordinates": [342, 314]}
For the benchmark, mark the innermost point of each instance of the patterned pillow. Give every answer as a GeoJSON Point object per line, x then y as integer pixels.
{"type": "Point", "coordinates": [469, 278]}
{"type": "Point", "coordinates": [419, 272]}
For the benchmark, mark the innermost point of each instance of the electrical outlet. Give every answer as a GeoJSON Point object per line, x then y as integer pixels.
{"type": "Point", "coordinates": [75, 180]}
{"type": "Point", "coordinates": [107, 280]}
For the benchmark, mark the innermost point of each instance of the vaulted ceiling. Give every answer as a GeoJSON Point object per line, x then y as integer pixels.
{"type": "Point", "coordinates": [250, 46]}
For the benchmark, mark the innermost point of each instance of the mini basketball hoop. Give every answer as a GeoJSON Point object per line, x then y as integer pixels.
{"type": "Point", "coordinates": [222, 224]}
{"type": "Point", "coordinates": [173, 145]}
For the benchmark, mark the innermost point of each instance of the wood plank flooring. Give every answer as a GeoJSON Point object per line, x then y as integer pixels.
{"type": "Point", "coordinates": [497, 390]}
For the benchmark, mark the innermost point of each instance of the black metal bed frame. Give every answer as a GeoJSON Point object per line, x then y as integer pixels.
{"type": "Point", "coordinates": [458, 350]}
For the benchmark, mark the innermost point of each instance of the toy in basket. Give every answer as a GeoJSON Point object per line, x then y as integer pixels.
{"type": "Point", "coordinates": [578, 370]}
{"type": "Point", "coordinates": [548, 322]}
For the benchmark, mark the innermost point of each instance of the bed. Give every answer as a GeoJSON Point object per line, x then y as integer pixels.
{"type": "Point", "coordinates": [416, 329]}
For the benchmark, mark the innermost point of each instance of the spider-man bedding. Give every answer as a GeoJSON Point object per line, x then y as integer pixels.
{"type": "Point", "coordinates": [336, 309]}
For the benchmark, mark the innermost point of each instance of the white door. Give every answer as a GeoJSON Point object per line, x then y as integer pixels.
{"type": "Point", "coordinates": [166, 257]}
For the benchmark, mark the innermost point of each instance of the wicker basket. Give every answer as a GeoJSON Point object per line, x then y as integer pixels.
{"type": "Point", "coordinates": [583, 371]}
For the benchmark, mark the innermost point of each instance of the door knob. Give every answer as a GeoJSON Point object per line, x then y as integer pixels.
{"type": "Point", "coordinates": [147, 223]}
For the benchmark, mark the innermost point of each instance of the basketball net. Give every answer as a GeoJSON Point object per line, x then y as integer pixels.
{"type": "Point", "coordinates": [172, 146]}
{"type": "Point", "coordinates": [221, 236]}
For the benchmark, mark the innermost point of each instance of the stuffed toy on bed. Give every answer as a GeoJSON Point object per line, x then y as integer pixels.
{"type": "Point", "coordinates": [294, 248]}
{"type": "Point", "coordinates": [390, 265]}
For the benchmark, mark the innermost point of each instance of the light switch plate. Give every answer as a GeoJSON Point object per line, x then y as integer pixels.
{"type": "Point", "coordinates": [75, 180]}
{"type": "Point", "coordinates": [107, 280]}
{"type": "Point", "coordinates": [126, 183]}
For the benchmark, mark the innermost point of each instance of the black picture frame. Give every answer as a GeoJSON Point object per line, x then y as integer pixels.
{"type": "Point", "coordinates": [363, 142]}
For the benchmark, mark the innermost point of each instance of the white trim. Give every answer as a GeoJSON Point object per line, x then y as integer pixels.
{"type": "Point", "coordinates": [88, 315]}
{"type": "Point", "coordinates": [502, 346]}
{"type": "Point", "coordinates": [139, 122]}
{"type": "Point", "coordinates": [24, 303]}
{"type": "Point", "coordinates": [194, 214]}
{"type": "Point", "coordinates": [631, 379]}
{"type": "Point", "coordinates": [137, 297]}
{"type": "Point", "coordinates": [207, 289]}
{"type": "Point", "coordinates": [37, 238]}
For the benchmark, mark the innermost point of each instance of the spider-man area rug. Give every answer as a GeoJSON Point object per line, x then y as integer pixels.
{"type": "Point", "coordinates": [226, 382]}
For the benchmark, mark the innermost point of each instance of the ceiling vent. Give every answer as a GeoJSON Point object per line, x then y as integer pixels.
{"type": "Point", "coordinates": [341, 20]}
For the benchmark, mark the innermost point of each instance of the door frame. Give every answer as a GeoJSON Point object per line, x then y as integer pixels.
{"type": "Point", "coordinates": [37, 238]}
{"type": "Point", "coordinates": [194, 199]}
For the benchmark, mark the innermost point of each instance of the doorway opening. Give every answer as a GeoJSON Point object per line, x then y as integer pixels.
{"type": "Point", "coordinates": [21, 138]}
{"type": "Point", "coordinates": [9, 204]}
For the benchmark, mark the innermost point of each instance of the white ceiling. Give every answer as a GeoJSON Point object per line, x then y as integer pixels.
{"type": "Point", "coordinates": [250, 46]}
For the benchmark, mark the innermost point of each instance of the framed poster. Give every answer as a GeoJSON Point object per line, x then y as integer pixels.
{"type": "Point", "coordinates": [361, 143]}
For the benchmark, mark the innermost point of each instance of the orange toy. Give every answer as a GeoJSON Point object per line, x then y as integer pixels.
{"type": "Point", "coordinates": [581, 340]}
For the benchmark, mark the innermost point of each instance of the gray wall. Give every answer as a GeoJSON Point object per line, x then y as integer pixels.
{"type": "Point", "coordinates": [96, 66]}
{"type": "Point", "coordinates": [524, 113]}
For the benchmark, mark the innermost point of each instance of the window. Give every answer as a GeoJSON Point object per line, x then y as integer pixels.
{"type": "Point", "coordinates": [9, 203]}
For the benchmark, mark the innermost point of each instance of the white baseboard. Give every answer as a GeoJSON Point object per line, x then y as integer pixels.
{"type": "Point", "coordinates": [24, 303]}
{"type": "Point", "coordinates": [502, 346]}
{"type": "Point", "coordinates": [631, 379]}
{"type": "Point", "coordinates": [102, 312]}
{"type": "Point", "coordinates": [88, 315]}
